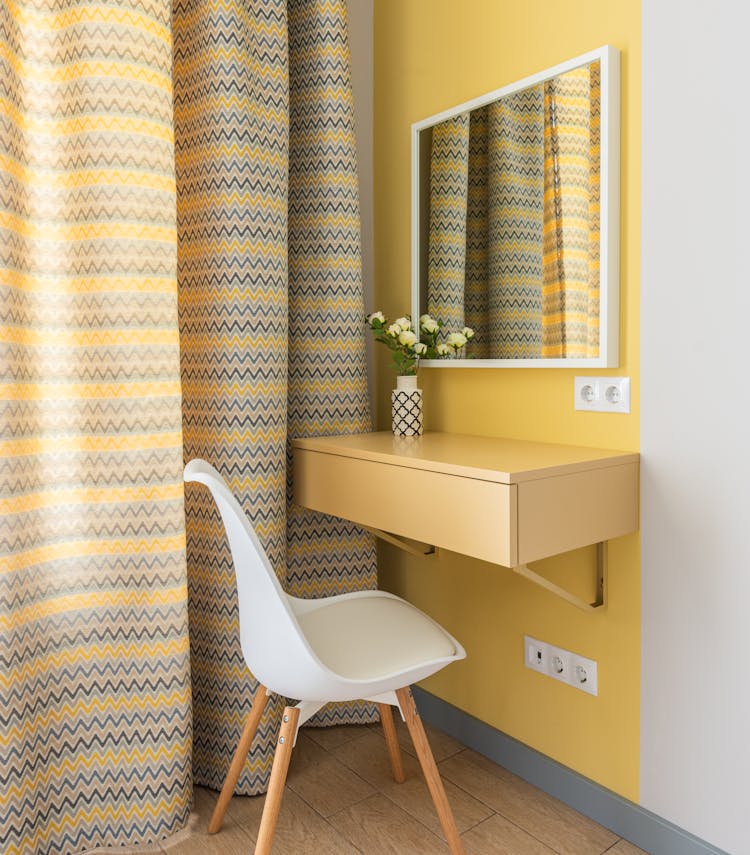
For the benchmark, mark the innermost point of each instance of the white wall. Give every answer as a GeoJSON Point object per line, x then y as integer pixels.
{"type": "Point", "coordinates": [360, 17]}
{"type": "Point", "coordinates": [695, 440]}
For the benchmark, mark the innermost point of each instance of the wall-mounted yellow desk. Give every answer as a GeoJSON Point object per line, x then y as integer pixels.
{"type": "Point", "coordinates": [501, 500]}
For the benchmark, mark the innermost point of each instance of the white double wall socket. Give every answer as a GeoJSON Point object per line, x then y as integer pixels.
{"type": "Point", "coordinates": [577, 671]}
{"type": "Point", "coordinates": [602, 394]}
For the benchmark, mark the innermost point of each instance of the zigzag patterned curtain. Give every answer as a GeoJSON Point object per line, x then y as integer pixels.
{"type": "Point", "coordinates": [270, 318]}
{"type": "Point", "coordinates": [486, 220]}
{"type": "Point", "coordinates": [476, 292]}
{"type": "Point", "coordinates": [515, 216]}
{"type": "Point", "coordinates": [94, 683]}
{"type": "Point", "coordinates": [571, 222]}
{"type": "Point", "coordinates": [449, 188]}
{"type": "Point", "coordinates": [514, 221]}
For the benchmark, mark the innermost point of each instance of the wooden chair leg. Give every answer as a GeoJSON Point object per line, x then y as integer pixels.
{"type": "Point", "coordinates": [430, 770]}
{"type": "Point", "coordinates": [281, 758]}
{"type": "Point", "coordinates": [238, 761]}
{"type": "Point", "coordinates": [391, 741]}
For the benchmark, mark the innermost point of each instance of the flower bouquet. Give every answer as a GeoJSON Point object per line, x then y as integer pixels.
{"type": "Point", "coordinates": [407, 349]}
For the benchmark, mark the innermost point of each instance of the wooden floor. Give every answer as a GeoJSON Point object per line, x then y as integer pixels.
{"type": "Point", "coordinates": [341, 799]}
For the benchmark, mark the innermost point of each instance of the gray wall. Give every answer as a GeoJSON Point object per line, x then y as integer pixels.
{"type": "Point", "coordinates": [695, 438]}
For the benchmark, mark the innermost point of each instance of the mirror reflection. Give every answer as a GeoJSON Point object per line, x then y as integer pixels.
{"type": "Point", "coordinates": [509, 220]}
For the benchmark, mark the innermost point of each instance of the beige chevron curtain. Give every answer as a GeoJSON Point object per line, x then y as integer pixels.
{"type": "Point", "coordinates": [571, 223]}
{"type": "Point", "coordinates": [95, 716]}
{"type": "Point", "coordinates": [514, 221]}
{"type": "Point", "coordinates": [448, 245]}
{"type": "Point", "coordinates": [270, 320]}
{"type": "Point", "coordinates": [515, 208]}
{"type": "Point", "coordinates": [94, 682]}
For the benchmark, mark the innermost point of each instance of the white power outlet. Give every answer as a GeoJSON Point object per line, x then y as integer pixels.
{"type": "Point", "coordinates": [583, 675]}
{"type": "Point", "coordinates": [560, 664]}
{"type": "Point", "coordinates": [602, 394]}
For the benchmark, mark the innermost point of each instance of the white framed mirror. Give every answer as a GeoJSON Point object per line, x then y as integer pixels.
{"type": "Point", "coordinates": [516, 219]}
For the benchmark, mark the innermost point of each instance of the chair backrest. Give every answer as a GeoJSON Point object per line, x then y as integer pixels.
{"type": "Point", "coordinates": [272, 642]}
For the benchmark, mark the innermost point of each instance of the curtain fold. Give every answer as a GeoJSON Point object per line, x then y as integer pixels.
{"type": "Point", "coordinates": [514, 221]}
{"type": "Point", "coordinates": [95, 724]}
{"type": "Point", "coordinates": [327, 363]}
{"type": "Point", "coordinates": [571, 239]}
{"type": "Point", "coordinates": [231, 147]}
{"type": "Point", "coordinates": [271, 321]}
{"type": "Point", "coordinates": [475, 290]}
{"type": "Point", "coordinates": [449, 188]}
{"type": "Point", "coordinates": [327, 359]}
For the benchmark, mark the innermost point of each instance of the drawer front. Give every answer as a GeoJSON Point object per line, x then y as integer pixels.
{"type": "Point", "coordinates": [568, 511]}
{"type": "Point", "coordinates": [464, 515]}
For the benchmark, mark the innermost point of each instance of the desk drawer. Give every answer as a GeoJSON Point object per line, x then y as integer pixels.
{"type": "Point", "coordinates": [567, 511]}
{"type": "Point", "coordinates": [465, 515]}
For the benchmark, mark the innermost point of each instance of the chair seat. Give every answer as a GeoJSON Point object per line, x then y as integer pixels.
{"type": "Point", "coordinates": [373, 637]}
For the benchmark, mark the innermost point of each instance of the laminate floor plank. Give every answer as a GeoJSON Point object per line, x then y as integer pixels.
{"type": "Point", "coordinates": [442, 745]}
{"type": "Point", "coordinates": [246, 811]}
{"type": "Point", "coordinates": [500, 836]}
{"type": "Point", "coordinates": [622, 847]}
{"type": "Point", "coordinates": [303, 831]}
{"type": "Point", "coordinates": [231, 840]}
{"type": "Point", "coordinates": [306, 752]}
{"type": "Point", "coordinates": [377, 826]}
{"type": "Point", "coordinates": [204, 802]}
{"type": "Point", "coordinates": [414, 797]}
{"type": "Point", "coordinates": [331, 737]}
{"type": "Point", "coordinates": [543, 817]}
{"type": "Point", "coordinates": [367, 756]}
{"type": "Point", "coordinates": [324, 783]}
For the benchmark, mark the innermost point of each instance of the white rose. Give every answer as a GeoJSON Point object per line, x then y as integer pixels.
{"type": "Point", "coordinates": [468, 332]}
{"type": "Point", "coordinates": [420, 348]}
{"type": "Point", "coordinates": [429, 325]}
{"type": "Point", "coordinates": [394, 330]}
{"type": "Point", "coordinates": [376, 316]}
{"type": "Point", "coordinates": [456, 339]}
{"type": "Point", "coordinates": [407, 338]}
{"type": "Point", "coordinates": [444, 349]}
{"type": "Point", "coordinates": [404, 323]}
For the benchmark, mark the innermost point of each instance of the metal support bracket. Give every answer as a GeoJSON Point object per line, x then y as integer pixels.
{"type": "Point", "coordinates": [413, 547]}
{"type": "Point", "coordinates": [601, 582]}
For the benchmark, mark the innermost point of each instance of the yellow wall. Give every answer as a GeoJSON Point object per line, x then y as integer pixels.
{"type": "Point", "coordinates": [430, 55]}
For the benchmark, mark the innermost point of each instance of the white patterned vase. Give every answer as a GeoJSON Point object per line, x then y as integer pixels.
{"type": "Point", "coordinates": [406, 407]}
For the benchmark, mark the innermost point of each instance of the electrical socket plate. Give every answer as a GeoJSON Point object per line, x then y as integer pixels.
{"type": "Point", "coordinates": [560, 664]}
{"type": "Point", "coordinates": [602, 394]}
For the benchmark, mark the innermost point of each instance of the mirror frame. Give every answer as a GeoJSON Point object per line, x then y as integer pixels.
{"type": "Point", "coordinates": [609, 235]}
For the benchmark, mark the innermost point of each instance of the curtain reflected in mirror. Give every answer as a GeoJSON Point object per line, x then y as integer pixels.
{"type": "Point", "coordinates": [513, 232]}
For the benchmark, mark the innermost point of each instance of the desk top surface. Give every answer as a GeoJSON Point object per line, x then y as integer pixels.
{"type": "Point", "coordinates": [506, 461]}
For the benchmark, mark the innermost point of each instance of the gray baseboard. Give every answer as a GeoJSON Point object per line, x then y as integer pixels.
{"type": "Point", "coordinates": [625, 818]}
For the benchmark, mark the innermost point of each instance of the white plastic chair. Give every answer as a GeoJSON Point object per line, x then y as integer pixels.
{"type": "Point", "coordinates": [367, 645]}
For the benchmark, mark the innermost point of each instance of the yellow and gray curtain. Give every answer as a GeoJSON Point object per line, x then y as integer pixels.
{"type": "Point", "coordinates": [447, 256]}
{"type": "Point", "coordinates": [571, 216]}
{"type": "Point", "coordinates": [514, 221]}
{"type": "Point", "coordinates": [95, 721]}
{"type": "Point", "coordinates": [513, 236]}
{"type": "Point", "coordinates": [95, 693]}
{"type": "Point", "coordinates": [270, 320]}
